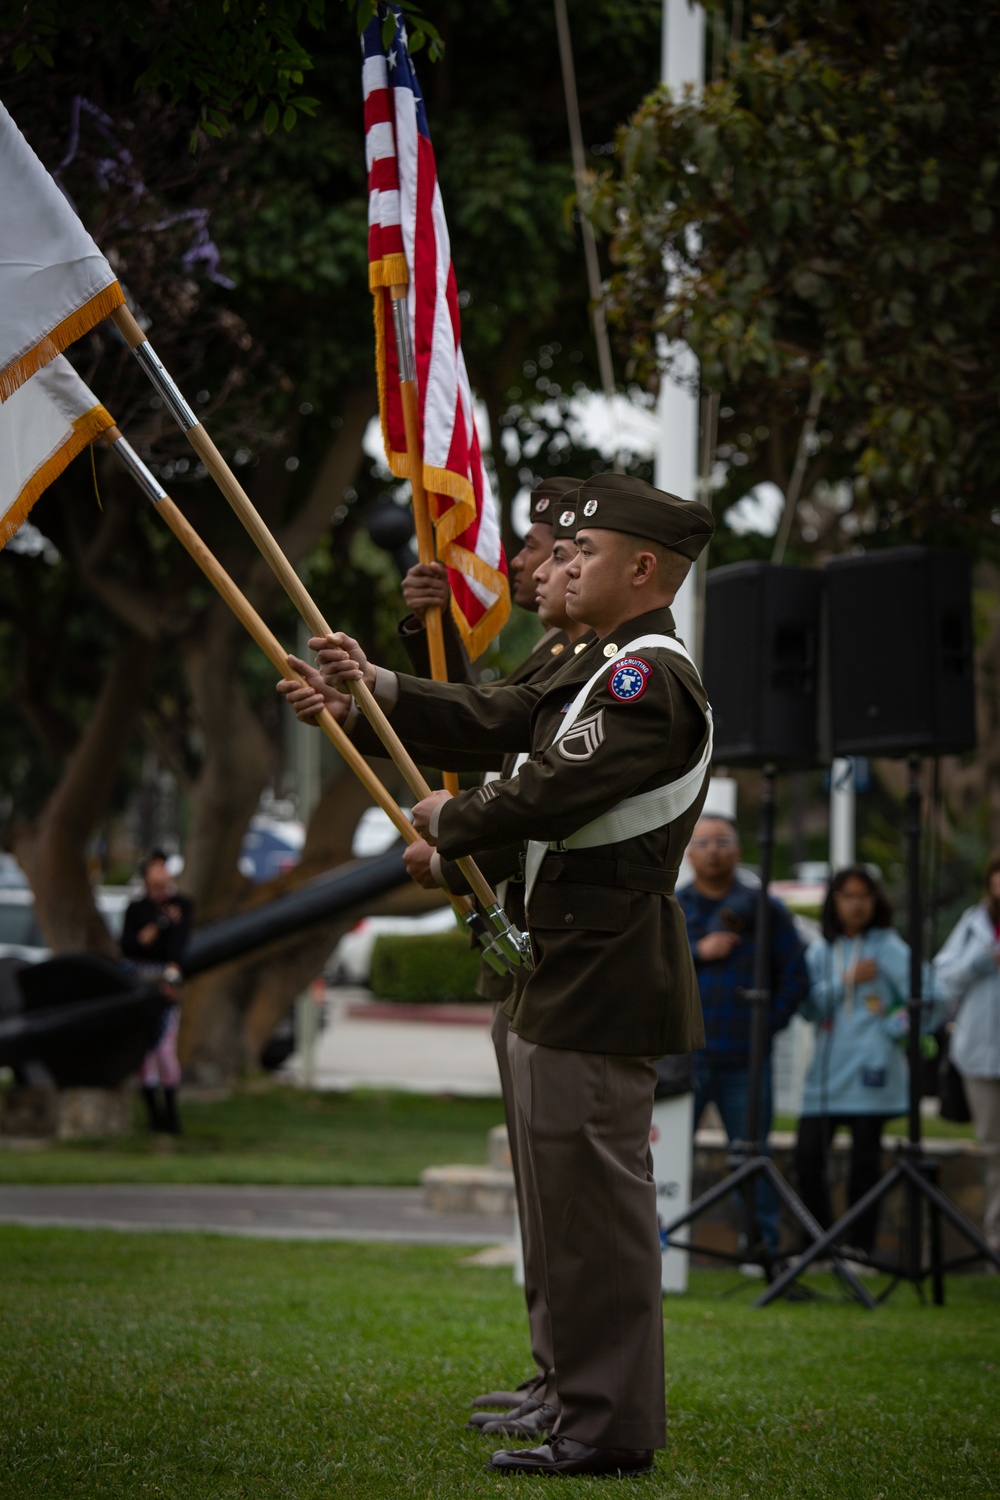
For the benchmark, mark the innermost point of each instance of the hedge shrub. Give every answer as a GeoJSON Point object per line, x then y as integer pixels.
{"type": "Point", "coordinates": [435, 967]}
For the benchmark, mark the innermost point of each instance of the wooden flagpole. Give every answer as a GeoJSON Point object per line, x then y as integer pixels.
{"type": "Point", "coordinates": [426, 549]}
{"type": "Point", "coordinates": [273, 650]}
{"type": "Point", "coordinates": [273, 555]}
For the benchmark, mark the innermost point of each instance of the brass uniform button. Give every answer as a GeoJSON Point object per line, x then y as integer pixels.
{"type": "Point", "coordinates": [569, 919]}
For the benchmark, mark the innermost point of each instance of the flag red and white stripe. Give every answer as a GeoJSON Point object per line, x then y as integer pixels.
{"type": "Point", "coordinates": [408, 245]}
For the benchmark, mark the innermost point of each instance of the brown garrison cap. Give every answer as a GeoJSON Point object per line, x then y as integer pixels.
{"type": "Point", "coordinates": [564, 519]}
{"type": "Point", "coordinates": [617, 502]}
{"type": "Point", "coordinates": [545, 497]}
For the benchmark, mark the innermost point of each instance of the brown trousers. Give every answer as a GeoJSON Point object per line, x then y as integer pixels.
{"type": "Point", "coordinates": [591, 1234]}
{"type": "Point", "coordinates": [539, 1327]}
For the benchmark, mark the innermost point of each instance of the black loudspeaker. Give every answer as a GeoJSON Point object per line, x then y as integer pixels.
{"type": "Point", "coordinates": [762, 649]}
{"type": "Point", "coordinates": [901, 663]}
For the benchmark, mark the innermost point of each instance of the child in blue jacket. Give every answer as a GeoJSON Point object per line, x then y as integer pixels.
{"type": "Point", "coordinates": [859, 974]}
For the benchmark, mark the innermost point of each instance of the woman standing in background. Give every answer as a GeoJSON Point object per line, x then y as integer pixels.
{"type": "Point", "coordinates": [968, 969]}
{"type": "Point", "coordinates": [859, 974]}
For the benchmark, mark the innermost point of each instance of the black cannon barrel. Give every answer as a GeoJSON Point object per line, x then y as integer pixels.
{"type": "Point", "coordinates": [95, 1042]}
{"type": "Point", "coordinates": [90, 1021]}
{"type": "Point", "coordinates": [316, 901]}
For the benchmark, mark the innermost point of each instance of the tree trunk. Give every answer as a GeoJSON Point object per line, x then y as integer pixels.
{"type": "Point", "coordinates": [52, 849]}
{"type": "Point", "coordinates": [238, 760]}
{"type": "Point", "coordinates": [285, 971]}
{"type": "Point", "coordinates": [230, 1014]}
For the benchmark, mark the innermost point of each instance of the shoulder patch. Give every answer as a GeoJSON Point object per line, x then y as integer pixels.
{"type": "Point", "coordinates": [630, 679]}
{"type": "Point", "coordinates": [585, 736]}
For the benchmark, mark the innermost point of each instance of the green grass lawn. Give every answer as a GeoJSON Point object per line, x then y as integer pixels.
{"type": "Point", "coordinates": [275, 1134]}
{"type": "Point", "coordinates": [190, 1366]}
{"type": "Point", "coordinates": [931, 1126]}
{"type": "Point", "coordinates": [270, 1133]}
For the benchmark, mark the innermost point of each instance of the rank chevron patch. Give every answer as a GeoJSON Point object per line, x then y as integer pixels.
{"type": "Point", "coordinates": [586, 736]}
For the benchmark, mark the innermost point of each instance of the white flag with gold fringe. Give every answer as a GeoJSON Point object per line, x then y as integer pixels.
{"type": "Point", "coordinates": [45, 423]}
{"type": "Point", "coordinates": [55, 284]}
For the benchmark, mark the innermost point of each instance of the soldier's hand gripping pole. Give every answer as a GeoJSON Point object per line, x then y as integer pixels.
{"type": "Point", "coordinates": [296, 590]}
{"type": "Point", "coordinates": [495, 953]}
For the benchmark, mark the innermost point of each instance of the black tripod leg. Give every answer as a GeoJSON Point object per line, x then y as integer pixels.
{"type": "Point", "coordinates": [825, 1245]}
{"type": "Point", "coordinates": [812, 1227]}
{"type": "Point", "coordinates": [937, 1259]}
{"type": "Point", "coordinates": [792, 1201]}
{"type": "Point", "coordinates": [766, 1168]}
{"type": "Point", "coordinates": [954, 1215]}
{"type": "Point", "coordinates": [708, 1200]}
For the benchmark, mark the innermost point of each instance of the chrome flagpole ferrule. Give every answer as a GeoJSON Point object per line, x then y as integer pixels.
{"type": "Point", "coordinates": [492, 953]}
{"type": "Point", "coordinates": [146, 481]}
{"type": "Point", "coordinates": [514, 944]}
{"type": "Point", "coordinates": [165, 386]}
{"type": "Point", "coordinates": [404, 348]}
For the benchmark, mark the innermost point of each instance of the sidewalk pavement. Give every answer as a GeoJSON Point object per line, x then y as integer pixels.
{"type": "Point", "coordinates": [352, 1051]}
{"type": "Point", "coordinates": [418, 1056]}
{"type": "Point", "coordinates": [388, 1215]}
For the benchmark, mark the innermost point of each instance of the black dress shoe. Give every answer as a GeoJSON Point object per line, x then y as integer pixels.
{"type": "Point", "coordinates": [511, 1398]}
{"type": "Point", "coordinates": [533, 1424]}
{"type": "Point", "coordinates": [481, 1418]}
{"type": "Point", "coordinates": [564, 1455]}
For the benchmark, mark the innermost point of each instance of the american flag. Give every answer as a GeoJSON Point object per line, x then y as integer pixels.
{"type": "Point", "coordinates": [408, 245]}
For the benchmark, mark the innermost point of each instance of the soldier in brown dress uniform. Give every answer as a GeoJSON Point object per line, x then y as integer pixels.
{"type": "Point", "coordinates": [619, 743]}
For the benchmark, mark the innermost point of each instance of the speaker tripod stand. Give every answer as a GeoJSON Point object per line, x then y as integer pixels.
{"type": "Point", "coordinates": [748, 1164]}
{"type": "Point", "coordinates": [913, 1170]}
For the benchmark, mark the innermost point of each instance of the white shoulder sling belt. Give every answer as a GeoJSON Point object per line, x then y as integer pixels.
{"type": "Point", "coordinates": [634, 815]}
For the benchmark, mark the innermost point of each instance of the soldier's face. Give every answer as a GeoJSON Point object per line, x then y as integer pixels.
{"type": "Point", "coordinates": [536, 547]}
{"type": "Point", "coordinates": [600, 578]}
{"type": "Point", "coordinates": [550, 585]}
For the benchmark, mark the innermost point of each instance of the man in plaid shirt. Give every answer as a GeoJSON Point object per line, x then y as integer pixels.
{"type": "Point", "coordinates": [720, 912]}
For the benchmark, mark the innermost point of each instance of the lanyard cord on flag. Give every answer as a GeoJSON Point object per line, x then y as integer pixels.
{"type": "Point", "coordinates": [93, 470]}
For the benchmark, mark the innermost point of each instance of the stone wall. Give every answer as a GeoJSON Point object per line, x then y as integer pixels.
{"type": "Point", "coordinates": [960, 1180]}
{"type": "Point", "coordinates": [67, 1114]}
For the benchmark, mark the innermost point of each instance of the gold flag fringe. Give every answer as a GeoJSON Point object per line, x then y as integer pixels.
{"type": "Point", "coordinates": [84, 430]}
{"type": "Point", "coordinates": [71, 328]}
{"type": "Point", "coordinates": [391, 270]}
{"type": "Point", "coordinates": [477, 637]}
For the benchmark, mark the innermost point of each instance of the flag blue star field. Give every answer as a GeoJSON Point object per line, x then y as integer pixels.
{"type": "Point", "coordinates": [409, 248]}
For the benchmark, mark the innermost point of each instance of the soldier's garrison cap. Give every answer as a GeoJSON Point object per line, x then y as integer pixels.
{"type": "Point", "coordinates": [618, 502]}
{"type": "Point", "coordinates": [545, 497]}
{"type": "Point", "coordinates": [564, 522]}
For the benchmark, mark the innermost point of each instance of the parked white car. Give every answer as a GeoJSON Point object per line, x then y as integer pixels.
{"type": "Point", "coordinates": [20, 936]}
{"type": "Point", "coordinates": [351, 960]}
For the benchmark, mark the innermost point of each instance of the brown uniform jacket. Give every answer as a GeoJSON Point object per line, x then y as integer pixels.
{"type": "Point", "coordinates": [505, 865]}
{"type": "Point", "coordinates": [412, 635]}
{"type": "Point", "coordinates": [613, 969]}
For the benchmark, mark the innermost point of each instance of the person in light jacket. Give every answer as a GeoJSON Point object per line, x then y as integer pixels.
{"type": "Point", "coordinates": [968, 968]}
{"type": "Point", "coordinates": [859, 974]}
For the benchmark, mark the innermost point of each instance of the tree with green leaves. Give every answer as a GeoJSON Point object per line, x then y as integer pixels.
{"type": "Point", "coordinates": [248, 257]}
{"type": "Point", "coordinates": [820, 223]}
